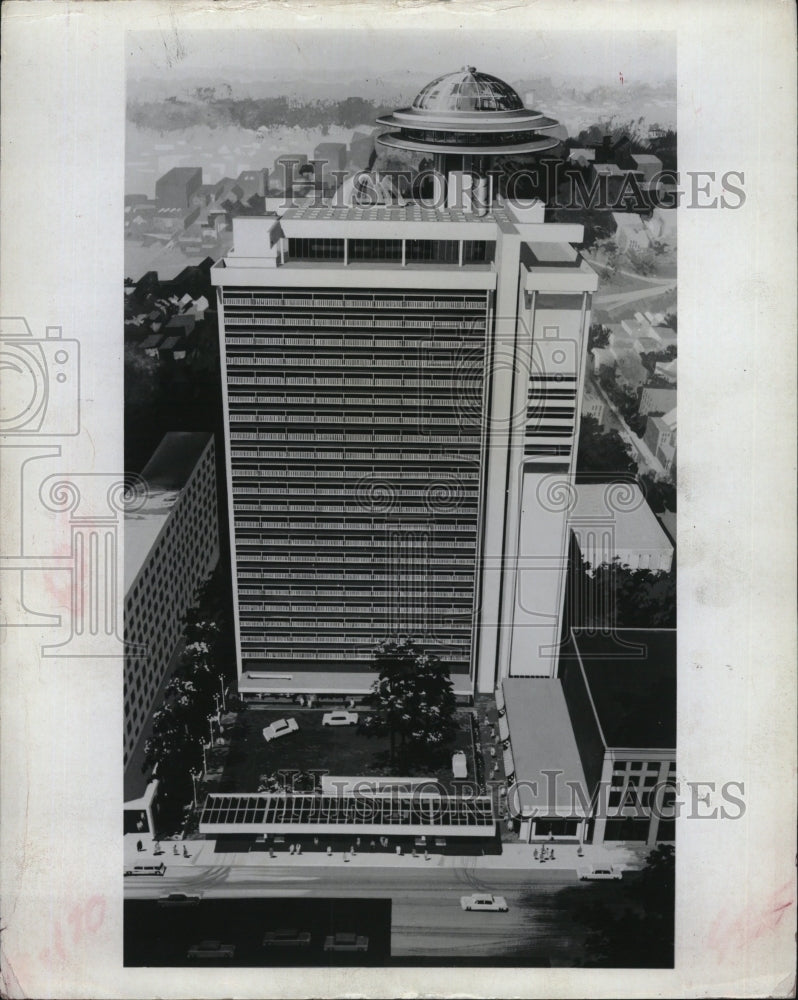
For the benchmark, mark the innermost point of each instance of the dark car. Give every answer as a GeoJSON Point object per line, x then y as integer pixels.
{"type": "Point", "coordinates": [286, 938]}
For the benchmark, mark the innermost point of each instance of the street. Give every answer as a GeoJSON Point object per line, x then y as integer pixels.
{"type": "Point", "coordinates": [427, 922]}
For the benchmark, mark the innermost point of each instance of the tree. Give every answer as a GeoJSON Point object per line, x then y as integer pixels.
{"type": "Point", "coordinates": [616, 595]}
{"type": "Point", "coordinates": [598, 336]}
{"type": "Point", "coordinates": [659, 493]}
{"type": "Point", "coordinates": [636, 927]}
{"type": "Point", "coordinates": [411, 700]}
{"type": "Point", "coordinates": [600, 451]}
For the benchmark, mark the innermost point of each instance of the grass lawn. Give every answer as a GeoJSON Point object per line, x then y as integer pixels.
{"type": "Point", "coordinates": [337, 750]}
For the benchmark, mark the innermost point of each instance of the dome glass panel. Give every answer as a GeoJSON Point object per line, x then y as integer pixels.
{"type": "Point", "coordinates": [468, 90]}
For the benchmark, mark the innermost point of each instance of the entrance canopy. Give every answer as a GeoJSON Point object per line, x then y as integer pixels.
{"type": "Point", "coordinates": [397, 814]}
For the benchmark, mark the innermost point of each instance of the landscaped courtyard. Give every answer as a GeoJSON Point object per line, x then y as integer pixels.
{"type": "Point", "coordinates": [341, 751]}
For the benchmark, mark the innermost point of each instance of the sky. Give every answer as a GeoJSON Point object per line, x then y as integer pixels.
{"type": "Point", "coordinates": [311, 60]}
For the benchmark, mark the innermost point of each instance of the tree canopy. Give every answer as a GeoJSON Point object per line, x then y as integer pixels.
{"type": "Point", "coordinates": [412, 701]}
{"type": "Point", "coordinates": [601, 451]}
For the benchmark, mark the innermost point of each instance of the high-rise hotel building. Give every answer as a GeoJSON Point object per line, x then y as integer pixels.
{"type": "Point", "coordinates": [402, 383]}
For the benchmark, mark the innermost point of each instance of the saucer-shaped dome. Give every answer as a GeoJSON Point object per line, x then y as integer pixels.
{"type": "Point", "coordinates": [468, 90]}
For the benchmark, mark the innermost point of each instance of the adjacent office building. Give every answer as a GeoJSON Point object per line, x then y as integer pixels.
{"type": "Point", "coordinates": [171, 547]}
{"type": "Point", "coordinates": [402, 383]}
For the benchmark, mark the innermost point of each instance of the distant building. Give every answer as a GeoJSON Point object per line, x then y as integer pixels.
{"type": "Point", "coordinates": [648, 165]}
{"type": "Point", "coordinates": [656, 401]}
{"type": "Point", "coordinates": [171, 546]}
{"type": "Point", "coordinates": [176, 187]}
{"type": "Point", "coordinates": [582, 157]}
{"type": "Point", "coordinates": [660, 436]}
{"type": "Point", "coordinates": [253, 183]}
{"type": "Point", "coordinates": [584, 750]}
{"type": "Point", "coordinates": [666, 337]}
{"type": "Point", "coordinates": [181, 325]}
{"type": "Point", "coordinates": [594, 406]}
{"type": "Point", "coordinates": [627, 530]}
{"type": "Point", "coordinates": [603, 358]}
{"type": "Point", "coordinates": [666, 370]}
{"type": "Point", "coordinates": [329, 157]}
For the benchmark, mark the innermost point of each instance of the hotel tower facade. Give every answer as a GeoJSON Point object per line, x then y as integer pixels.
{"type": "Point", "coordinates": [402, 390]}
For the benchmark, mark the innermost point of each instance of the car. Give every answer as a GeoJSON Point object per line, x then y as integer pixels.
{"type": "Point", "coordinates": [346, 942]}
{"type": "Point", "coordinates": [282, 727]}
{"type": "Point", "coordinates": [286, 939]}
{"type": "Point", "coordinates": [494, 904]}
{"type": "Point", "coordinates": [459, 764]}
{"type": "Point", "coordinates": [599, 872]}
{"type": "Point", "coordinates": [211, 949]}
{"type": "Point", "coordinates": [178, 899]}
{"type": "Point", "coordinates": [159, 869]}
{"type": "Point", "coordinates": [339, 719]}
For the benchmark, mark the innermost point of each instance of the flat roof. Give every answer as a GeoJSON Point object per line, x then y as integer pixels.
{"type": "Point", "coordinates": [395, 812]}
{"type": "Point", "coordinates": [166, 474]}
{"type": "Point", "coordinates": [542, 739]}
{"type": "Point", "coordinates": [631, 678]}
{"type": "Point", "coordinates": [635, 524]}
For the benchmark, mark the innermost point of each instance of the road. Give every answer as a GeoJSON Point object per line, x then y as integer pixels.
{"type": "Point", "coordinates": [427, 920]}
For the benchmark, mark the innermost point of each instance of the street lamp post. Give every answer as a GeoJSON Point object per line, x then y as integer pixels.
{"type": "Point", "coordinates": [194, 776]}
{"type": "Point", "coordinates": [221, 685]}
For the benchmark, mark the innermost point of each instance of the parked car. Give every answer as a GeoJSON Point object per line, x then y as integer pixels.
{"type": "Point", "coordinates": [339, 719]}
{"type": "Point", "coordinates": [495, 904]}
{"type": "Point", "coordinates": [178, 899]}
{"type": "Point", "coordinates": [346, 942]}
{"type": "Point", "coordinates": [599, 872]}
{"type": "Point", "coordinates": [459, 764]}
{"type": "Point", "coordinates": [286, 939]}
{"type": "Point", "coordinates": [211, 949]}
{"type": "Point", "coordinates": [282, 727]}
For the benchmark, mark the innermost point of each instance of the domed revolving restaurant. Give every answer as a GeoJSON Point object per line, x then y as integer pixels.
{"type": "Point", "coordinates": [464, 120]}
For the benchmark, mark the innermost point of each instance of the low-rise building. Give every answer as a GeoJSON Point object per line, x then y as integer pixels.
{"type": "Point", "coordinates": [655, 402]}
{"type": "Point", "coordinates": [613, 520]}
{"type": "Point", "coordinates": [589, 755]}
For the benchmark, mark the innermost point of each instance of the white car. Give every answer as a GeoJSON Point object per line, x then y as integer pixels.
{"type": "Point", "coordinates": [495, 904]}
{"type": "Point", "coordinates": [459, 765]}
{"type": "Point", "coordinates": [339, 719]}
{"type": "Point", "coordinates": [599, 872]}
{"type": "Point", "coordinates": [282, 727]}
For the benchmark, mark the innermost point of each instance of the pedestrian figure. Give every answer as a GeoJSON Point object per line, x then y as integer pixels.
{"type": "Point", "coordinates": [535, 854]}
{"type": "Point", "coordinates": [185, 852]}
{"type": "Point", "coordinates": [373, 845]}
{"type": "Point", "coordinates": [316, 841]}
{"type": "Point", "coordinates": [174, 849]}
{"type": "Point", "coordinates": [139, 846]}
{"type": "Point", "coordinates": [552, 855]}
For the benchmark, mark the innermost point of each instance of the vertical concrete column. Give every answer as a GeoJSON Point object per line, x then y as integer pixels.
{"type": "Point", "coordinates": [500, 365]}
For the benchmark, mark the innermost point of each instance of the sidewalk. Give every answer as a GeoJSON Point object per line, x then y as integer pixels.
{"type": "Point", "coordinates": [514, 856]}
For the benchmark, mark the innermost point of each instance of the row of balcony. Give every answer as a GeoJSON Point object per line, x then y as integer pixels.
{"type": "Point", "coordinates": [408, 457]}
{"type": "Point", "coordinates": [344, 302]}
{"type": "Point", "coordinates": [455, 384]}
